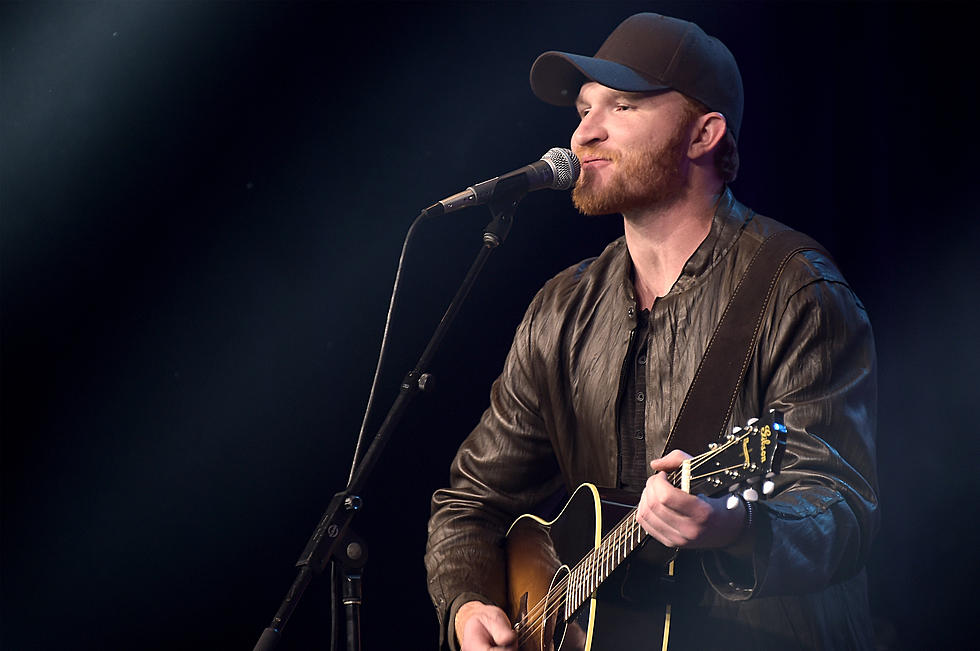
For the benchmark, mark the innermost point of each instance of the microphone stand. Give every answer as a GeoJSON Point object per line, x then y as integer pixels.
{"type": "Point", "coordinates": [333, 541]}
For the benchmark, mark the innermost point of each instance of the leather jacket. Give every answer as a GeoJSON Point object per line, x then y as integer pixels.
{"type": "Point", "coordinates": [552, 421]}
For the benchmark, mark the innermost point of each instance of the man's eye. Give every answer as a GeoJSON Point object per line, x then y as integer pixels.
{"type": "Point", "coordinates": [623, 107]}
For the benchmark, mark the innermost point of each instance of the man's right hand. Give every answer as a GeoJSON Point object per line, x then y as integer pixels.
{"type": "Point", "coordinates": [480, 627]}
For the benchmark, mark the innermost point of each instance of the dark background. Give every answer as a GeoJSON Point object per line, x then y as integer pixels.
{"type": "Point", "coordinates": [202, 210]}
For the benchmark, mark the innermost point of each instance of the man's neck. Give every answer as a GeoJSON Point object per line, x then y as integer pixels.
{"type": "Point", "coordinates": [662, 239]}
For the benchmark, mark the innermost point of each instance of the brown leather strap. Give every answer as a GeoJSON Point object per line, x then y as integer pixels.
{"type": "Point", "coordinates": [711, 397]}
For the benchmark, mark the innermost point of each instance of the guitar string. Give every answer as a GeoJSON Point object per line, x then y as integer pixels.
{"type": "Point", "coordinates": [627, 529]}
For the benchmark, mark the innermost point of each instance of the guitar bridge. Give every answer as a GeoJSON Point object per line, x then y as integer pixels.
{"type": "Point", "coordinates": [521, 613]}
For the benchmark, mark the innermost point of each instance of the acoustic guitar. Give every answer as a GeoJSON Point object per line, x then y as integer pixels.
{"type": "Point", "coordinates": [555, 568]}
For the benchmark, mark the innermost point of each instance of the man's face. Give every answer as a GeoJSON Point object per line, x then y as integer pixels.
{"type": "Point", "coordinates": [633, 148]}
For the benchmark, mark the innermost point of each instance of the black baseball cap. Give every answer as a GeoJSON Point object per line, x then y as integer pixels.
{"type": "Point", "coordinates": [649, 52]}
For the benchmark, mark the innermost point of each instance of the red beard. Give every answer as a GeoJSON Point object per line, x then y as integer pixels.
{"type": "Point", "coordinates": [642, 178]}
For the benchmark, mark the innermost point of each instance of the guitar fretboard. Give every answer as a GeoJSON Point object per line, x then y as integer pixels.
{"type": "Point", "coordinates": [598, 564]}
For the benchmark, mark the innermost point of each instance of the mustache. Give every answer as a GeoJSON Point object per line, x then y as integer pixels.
{"type": "Point", "coordinates": [585, 153]}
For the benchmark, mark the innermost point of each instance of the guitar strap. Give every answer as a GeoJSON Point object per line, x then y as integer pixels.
{"type": "Point", "coordinates": [704, 414]}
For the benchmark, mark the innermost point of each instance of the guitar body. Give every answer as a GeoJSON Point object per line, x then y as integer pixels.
{"type": "Point", "coordinates": [540, 555]}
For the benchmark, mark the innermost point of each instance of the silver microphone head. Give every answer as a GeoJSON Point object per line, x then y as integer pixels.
{"type": "Point", "coordinates": [565, 165]}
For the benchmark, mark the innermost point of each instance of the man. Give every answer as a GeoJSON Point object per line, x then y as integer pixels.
{"type": "Point", "coordinates": [602, 362]}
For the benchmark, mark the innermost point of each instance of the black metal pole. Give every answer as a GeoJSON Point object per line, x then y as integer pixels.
{"type": "Point", "coordinates": [352, 608]}
{"type": "Point", "coordinates": [333, 526]}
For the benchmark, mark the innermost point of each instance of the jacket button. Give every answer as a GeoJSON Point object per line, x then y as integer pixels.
{"type": "Point", "coordinates": [630, 312]}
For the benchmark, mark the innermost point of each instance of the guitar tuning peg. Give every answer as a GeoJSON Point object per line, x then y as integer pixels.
{"type": "Point", "coordinates": [752, 421]}
{"type": "Point", "coordinates": [750, 495]}
{"type": "Point", "coordinates": [732, 502]}
{"type": "Point", "coordinates": [736, 430]}
{"type": "Point", "coordinates": [767, 487]}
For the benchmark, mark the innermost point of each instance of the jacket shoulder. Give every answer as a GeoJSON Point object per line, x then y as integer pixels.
{"type": "Point", "coordinates": [805, 267]}
{"type": "Point", "coordinates": [587, 282]}
{"type": "Point", "coordinates": [602, 266]}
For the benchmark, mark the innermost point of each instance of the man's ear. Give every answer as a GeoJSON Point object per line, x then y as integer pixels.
{"type": "Point", "coordinates": [709, 129]}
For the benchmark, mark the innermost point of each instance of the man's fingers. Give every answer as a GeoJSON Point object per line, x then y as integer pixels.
{"type": "Point", "coordinates": [486, 629]}
{"type": "Point", "coordinates": [671, 461]}
{"type": "Point", "coordinates": [498, 626]}
{"type": "Point", "coordinates": [670, 515]}
{"type": "Point", "coordinates": [663, 494]}
{"type": "Point", "coordinates": [647, 514]}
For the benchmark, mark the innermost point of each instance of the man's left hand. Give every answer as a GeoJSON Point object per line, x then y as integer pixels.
{"type": "Point", "coordinates": [679, 519]}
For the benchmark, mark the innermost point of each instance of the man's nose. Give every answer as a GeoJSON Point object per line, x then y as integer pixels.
{"type": "Point", "coordinates": [589, 131]}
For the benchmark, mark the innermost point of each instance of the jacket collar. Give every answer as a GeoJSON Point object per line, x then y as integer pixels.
{"type": "Point", "coordinates": [727, 224]}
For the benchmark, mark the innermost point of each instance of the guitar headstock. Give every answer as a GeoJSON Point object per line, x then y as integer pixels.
{"type": "Point", "coordinates": [745, 460]}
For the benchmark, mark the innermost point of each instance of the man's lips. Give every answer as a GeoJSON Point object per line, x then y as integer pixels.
{"type": "Point", "coordinates": [594, 161]}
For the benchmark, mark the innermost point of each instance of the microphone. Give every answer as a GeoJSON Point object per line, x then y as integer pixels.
{"type": "Point", "coordinates": [558, 169]}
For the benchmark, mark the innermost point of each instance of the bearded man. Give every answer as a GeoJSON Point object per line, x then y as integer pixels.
{"type": "Point", "coordinates": [608, 349]}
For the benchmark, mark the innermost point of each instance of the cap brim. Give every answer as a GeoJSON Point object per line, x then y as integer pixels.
{"type": "Point", "coordinates": [556, 77]}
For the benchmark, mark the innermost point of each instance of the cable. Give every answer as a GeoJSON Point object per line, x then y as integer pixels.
{"type": "Point", "coordinates": [384, 343]}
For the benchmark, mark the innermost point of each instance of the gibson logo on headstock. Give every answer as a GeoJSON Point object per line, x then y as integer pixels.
{"type": "Point", "coordinates": [766, 441]}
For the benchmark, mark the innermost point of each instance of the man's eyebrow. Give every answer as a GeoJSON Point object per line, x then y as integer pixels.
{"type": "Point", "coordinates": [628, 95]}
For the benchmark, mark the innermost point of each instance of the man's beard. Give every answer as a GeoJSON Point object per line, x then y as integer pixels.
{"type": "Point", "coordinates": [643, 178]}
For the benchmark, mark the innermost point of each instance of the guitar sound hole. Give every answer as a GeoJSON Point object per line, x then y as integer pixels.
{"type": "Point", "coordinates": [562, 635]}
{"type": "Point", "coordinates": [554, 629]}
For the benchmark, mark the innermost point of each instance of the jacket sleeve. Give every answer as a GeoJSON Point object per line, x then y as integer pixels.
{"type": "Point", "coordinates": [505, 467]}
{"type": "Point", "coordinates": [818, 369]}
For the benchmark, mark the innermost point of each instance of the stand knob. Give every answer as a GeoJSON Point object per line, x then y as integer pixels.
{"type": "Point", "coordinates": [354, 551]}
